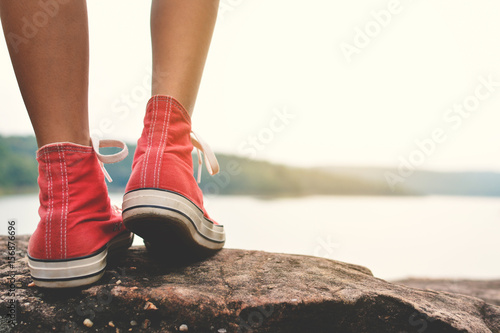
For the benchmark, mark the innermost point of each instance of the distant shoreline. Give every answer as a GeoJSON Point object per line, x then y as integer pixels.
{"type": "Point", "coordinates": [243, 176]}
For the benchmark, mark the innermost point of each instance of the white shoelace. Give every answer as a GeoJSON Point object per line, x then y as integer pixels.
{"type": "Point", "coordinates": [201, 146]}
{"type": "Point", "coordinates": [108, 159]}
{"type": "Point", "coordinates": [211, 162]}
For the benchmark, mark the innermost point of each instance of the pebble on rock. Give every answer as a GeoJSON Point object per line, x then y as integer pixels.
{"type": "Point", "coordinates": [183, 328]}
{"type": "Point", "coordinates": [150, 306]}
{"type": "Point", "coordinates": [133, 323]}
{"type": "Point", "coordinates": [87, 322]}
{"type": "Point", "coordinates": [111, 324]}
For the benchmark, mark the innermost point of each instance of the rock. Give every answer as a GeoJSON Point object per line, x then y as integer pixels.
{"type": "Point", "coordinates": [231, 290]}
{"type": "Point", "coordinates": [183, 328]}
{"type": "Point", "coordinates": [489, 291]}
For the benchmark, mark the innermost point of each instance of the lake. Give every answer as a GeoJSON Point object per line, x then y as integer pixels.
{"type": "Point", "coordinates": [396, 237]}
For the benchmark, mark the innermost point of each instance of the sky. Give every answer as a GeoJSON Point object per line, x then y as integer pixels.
{"type": "Point", "coordinates": [365, 83]}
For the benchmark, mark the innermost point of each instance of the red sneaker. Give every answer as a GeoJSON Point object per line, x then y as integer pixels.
{"type": "Point", "coordinates": [163, 203]}
{"type": "Point", "coordinates": [78, 227]}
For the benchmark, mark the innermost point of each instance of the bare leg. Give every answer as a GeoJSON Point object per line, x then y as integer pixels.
{"type": "Point", "coordinates": [181, 31]}
{"type": "Point", "coordinates": [51, 59]}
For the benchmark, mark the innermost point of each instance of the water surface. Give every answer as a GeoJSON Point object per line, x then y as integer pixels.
{"type": "Point", "coordinates": [396, 237]}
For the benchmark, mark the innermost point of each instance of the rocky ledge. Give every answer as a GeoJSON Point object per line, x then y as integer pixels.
{"type": "Point", "coordinates": [241, 291]}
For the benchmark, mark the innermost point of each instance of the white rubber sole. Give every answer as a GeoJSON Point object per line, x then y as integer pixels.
{"type": "Point", "coordinates": [76, 272]}
{"type": "Point", "coordinates": [161, 216]}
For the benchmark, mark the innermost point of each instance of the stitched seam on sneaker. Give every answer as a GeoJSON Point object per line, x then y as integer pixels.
{"type": "Point", "coordinates": [66, 144]}
{"type": "Point", "coordinates": [60, 208]}
{"type": "Point", "coordinates": [47, 216]}
{"type": "Point", "coordinates": [45, 152]}
{"type": "Point", "coordinates": [164, 134]}
{"type": "Point", "coordinates": [66, 205]}
{"type": "Point", "coordinates": [165, 143]}
{"type": "Point", "coordinates": [51, 245]}
{"type": "Point", "coordinates": [158, 148]}
{"type": "Point", "coordinates": [149, 144]}
{"type": "Point", "coordinates": [48, 212]}
{"type": "Point", "coordinates": [64, 202]}
{"type": "Point", "coordinates": [183, 110]}
{"type": "Point", "coordinates": [53, 147]}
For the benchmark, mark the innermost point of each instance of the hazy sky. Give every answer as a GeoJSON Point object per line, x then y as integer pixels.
{"type": "Point", "coordinates": [313, 83]}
